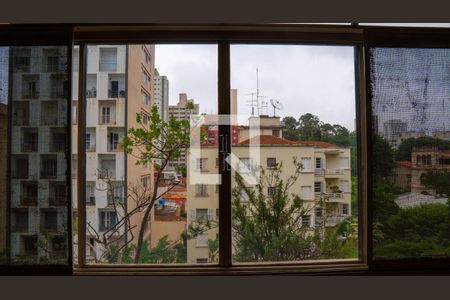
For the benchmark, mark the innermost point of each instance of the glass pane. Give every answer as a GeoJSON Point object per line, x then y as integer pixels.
{"type": "Point", "coordinates": [411, 123]}
{"type": "Point", "coordinates": [294, 182]}
{"type": "Point", "coordinates": [142, 205]}
{"type": "Point", "coordinates": [33, 101]}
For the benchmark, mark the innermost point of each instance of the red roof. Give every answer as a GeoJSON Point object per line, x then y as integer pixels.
{"type": "Point", "coordinates": [404, 163]}
{"type": "Point", "coordinates": [268, 140]}
{"type": "Point", "coordinates": [273, 140]}
{"type": "Point", "coordinates": [318, 144]}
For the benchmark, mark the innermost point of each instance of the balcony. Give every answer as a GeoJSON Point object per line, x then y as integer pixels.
{"type": "Point", "coordinates": [57, 201]}
{"type": "Point", "coordinates": [92, 93]}
{"type": "Point", "coordinates": [331, 220]}
{"type": "Point", "coordinates": [28, 201]}
{"type": "Point", "coordinates": [116, 94]}
{"type": "Point", "coordinates": [319, 172]}
{"type": "Point", "coordinates": [330, 195]}
{"type": "Point", "coordinates": [106, 174]}
{"type": "Point", "coordinates": [115, 200]}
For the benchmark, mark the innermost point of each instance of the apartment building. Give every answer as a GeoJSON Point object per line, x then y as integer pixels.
{"type": "Point", "coordinates": [161, 93]}
{"type": "Point", "coordinates": [182, 111]}
{"type": "Point", "coordinates": [38, 185]}
{"type": "Point", "coordinates": [326, 172]}
{"type": "Point", "coordinates": [118, 87]}
{"type": "Point", "coordinates": [3, 175]}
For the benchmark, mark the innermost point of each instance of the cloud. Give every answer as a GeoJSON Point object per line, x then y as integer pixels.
{"type": "Point", "coordinates": [314, 79]}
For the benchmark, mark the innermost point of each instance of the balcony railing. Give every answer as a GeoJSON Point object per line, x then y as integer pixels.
{"type": "Point", "coordinates": [91, 147]}
{"type": "Point", "coordinates": [57, 201]}
{"type": "Point", "coordinates": [115, 200]}
{"type": "Point", "coordinates": [28, 201]}
{"type": "Point", "coordinates": [319, 172]}
{"type": "Point", "coordinates": [116, 94]}
{"type": "Point", "coordinates": [331, 220]}
{"type": "Point", "coordinates": [29, 147]}
{"type": "Point", "coordinates": [103, 174]}
{"type": "Point", "coordinates": [331, 195]}
{"type": "Point", "coordinates": [90, 200]}
{"type": "Point", "coordinates": [106, 66]}
{"type": "Point", "coordinates": [31, 95]}
{"type": "Point", "coordinates": [333, 172]}
{"type": "Point", "coordinates": [91, 93]}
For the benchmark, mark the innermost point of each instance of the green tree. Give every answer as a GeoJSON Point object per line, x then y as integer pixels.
{"type": "Point", "coordinates": [438, 180]}
{"type": "Point", "coordinates": [309, 127]}
{"type": "Point", "coordinates": [383, 158]}
{"type": "Point", "coordinates": [290, 129]}
{"type": "Point", "coordinates": [162, 141]}
{"type": "Point", "coordinates": [404, 149]}
{"type": "Point", "coordinates": [266, 228]}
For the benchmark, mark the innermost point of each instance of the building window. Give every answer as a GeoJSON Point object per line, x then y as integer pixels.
{"type": "Point", "coordinates": [270, 191]}
{"type": "Point", "coordinates": [271, 162]}
{"type": "Point", "coordinates": [145, 98]}
{"type": "Point", "coordinates": [306, 192]}
{"type": "Point", "coordinates": [108, 60]}
{"type": "Point", "coordinates": [106, 115]}
{"type": "Point", "coordinates": [202, 260]}
{"type": "Point", "coordinates": [306, 221]}
{"type": "Point", "coordinates": [113, 141]}
{"type": "Point", "coordinates": [201, 240]}
{"type": "Point", "coordinates": [48, 166]}
{"type": "Point", "coordinates": [318, 187]}
{"type": "Point", "coordinates": [319, 163]}
{"type": "Point", "coordinates": [200, 164]}
{"type": "Point", "coordinates": [306, 164]}
{"type": "Point", "coordinates": [108, 219]}
{"type": "Point", "coordinates": [90, 193]}
{"type": "Point", "coordinates": [345, 209]}
{"type": "Point", "coordinates": [200, 214]}
{"type": "Point", "coordinates": [276, 132]}
{"type": "Point", "coordinates": [344, 163]}
{"type": "Point", "coordinates": [201, 190]}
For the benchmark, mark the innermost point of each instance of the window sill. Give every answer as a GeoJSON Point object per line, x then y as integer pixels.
{"type": "Point", "coordinates": [211, 269]}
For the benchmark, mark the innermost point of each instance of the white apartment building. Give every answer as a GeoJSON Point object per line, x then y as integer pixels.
{"type": "Point", "coordinates": [161, 93]}
{"type": "Point", "coordinates": [118, 86]}
{"type": "Point", "coordinates": [326, 172]}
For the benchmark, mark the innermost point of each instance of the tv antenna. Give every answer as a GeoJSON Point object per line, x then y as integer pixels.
{"type": "Point", "coordinates": [255, 102]}
{"type": "Point", "coordinates": [276, 105]}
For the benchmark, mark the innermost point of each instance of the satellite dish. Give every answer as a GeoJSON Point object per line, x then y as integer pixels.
{"type": "Point", "coordinates": [276, 105]}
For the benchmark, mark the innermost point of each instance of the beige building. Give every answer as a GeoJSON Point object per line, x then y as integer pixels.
{"type": "Point", "coordinates": [326, 171]}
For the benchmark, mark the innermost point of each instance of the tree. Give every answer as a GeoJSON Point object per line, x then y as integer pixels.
{"type": "Point", "coordinates": [290, 129]}
{"type": "Point", "coordinates": [309, 127]}
{"type": "Point", "coordinates": [404, 149]}
{"type": "Point", "coordinates": [161, 142]}
{"type": "Point", "coordinates": [266, 228]}
{"type": "Point", "coordinates": [383, 158]}
{"type": "Point", "coordinates": [438, 180]}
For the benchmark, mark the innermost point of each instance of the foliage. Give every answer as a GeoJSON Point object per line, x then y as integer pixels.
{"type": "Point", "coordinates": [384, 205]}
{"type": "Point", "coordinates": [404, 149]}
{"type": "Point", "coordinates": [383, 158]}
{"type": "Point", "coordinates": [438, 180]}
{"type": "Point", "coordinates": [159, 140]}
{"type": "Point", "coordinates": [416, 231]}
{"type": "Point", "coordinates": [266, 228]}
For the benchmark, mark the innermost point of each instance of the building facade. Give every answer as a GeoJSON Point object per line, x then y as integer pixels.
{"type": "Point", "coordinates": [161, 93]}
{"type": "Point", "coordinates": [38, 185]}
{"type": "Point", "coordinates": [118, 87]}
{"type": "Point", "coordinates": [326, 173]}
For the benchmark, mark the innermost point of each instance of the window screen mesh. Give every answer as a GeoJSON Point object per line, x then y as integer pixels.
{"type": "Point", "coordinates": [411, 148]}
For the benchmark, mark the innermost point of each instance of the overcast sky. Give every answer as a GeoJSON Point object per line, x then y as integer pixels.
{"type": "Point", "coordinates": [314, 79]}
